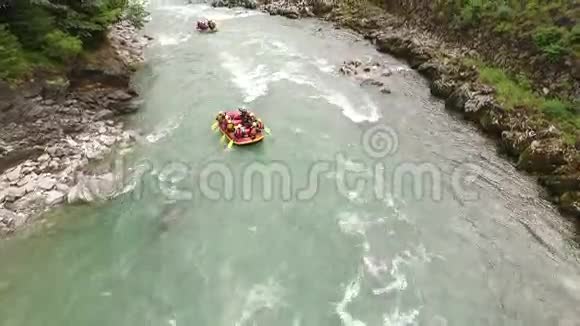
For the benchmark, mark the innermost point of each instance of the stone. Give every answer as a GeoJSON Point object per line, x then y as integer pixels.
{"type": "Point", "coordinates": [13, 193]}
{"type": "Point", "coordinates": [120, 95]}
{"type": "Point", "coordinates": [11, 219]}
{"type": "Point", "coordinates": [53, 165]}
{"type": "Point", "coordinates": [62, 187]}
{"type": "Point", "coordinates": [442, 88]}
{"type": "Point", "coordinates": [26, 179]}
{"type": "Point", "coordinates": [46, 183]}
{"type": "Point", "coordinates": [543, 156]}
{"type": "Point", "coordinates": [54, 197]}
{"type": "Point", "coordinates": [560, 184]}
{"type": "Point", "coordinates": [458, 98]}
{"type": "Point", "coordinates": [107, 140]}
{"type": "Point", "coordinates": [387, 73]}
{"type": "Point", "coordinates": [385, 90]}
{"type": "Point", "coordinates": [127, 107]}
{"type": "Point", "coordinates": [476, 105]}
{"type": "Point", "coordinates": [515, 142]}
{"type": "Point", "coordinates": [103, 115]}
{"type": "Point", "coordinates": [43, 158]}
{"type": "Point", "coordinates": [431, 70]}
{"type": "Point", "coordinates": [372, 82]}
{"type": "Point", "coordinates": [14, 174]}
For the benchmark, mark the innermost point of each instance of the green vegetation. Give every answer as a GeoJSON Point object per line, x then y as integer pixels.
{"type": "Point", "coordinates": [516, 93]}
{"type": "Point", "coordinates": [552, 26]}
{"type": "Point", "coordinates": [53, 33]}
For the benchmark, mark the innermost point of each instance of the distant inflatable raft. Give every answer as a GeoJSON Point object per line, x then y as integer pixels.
{"type": "Point", "coordinates": [240, 128]}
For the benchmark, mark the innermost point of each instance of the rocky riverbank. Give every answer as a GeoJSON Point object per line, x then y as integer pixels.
{"type": "Point", "coordinates": [535, 146]}
{"type": "Point", "coordinates": [53, 127]}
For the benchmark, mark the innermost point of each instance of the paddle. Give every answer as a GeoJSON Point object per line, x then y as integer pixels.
{"type": "Point", "coordinates": [223, 139]}
{"type": "Point", "coordinates": [230, 144]}
{"type": "Point", "coordinates": [267, 130]}
{"type": "Point", "coordinates": [214, 126]}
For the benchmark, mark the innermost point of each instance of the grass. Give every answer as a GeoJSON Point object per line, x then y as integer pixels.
{"type": "Point", "coordinates": [516, 93]}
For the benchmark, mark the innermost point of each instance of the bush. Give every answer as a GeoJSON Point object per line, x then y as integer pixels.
{"type": "Point", "coordinates": [12, 62]}
{"type": "Point", "coordinates": [555, 52]}
{"type": "Point", "coordinates": [504, 13]}
{"type": "Point", "coordinates": [136, 14]}
{"type": "Point", "coordinates": [548, 35]}
{"type": "Point", "coordinates": [62, 46]}
{"type": "Point", "coordinates": [552, 41]}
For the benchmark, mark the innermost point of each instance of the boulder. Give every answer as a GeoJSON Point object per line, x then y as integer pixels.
{"type": "Point", "coordinates": [479, 105]}
{"type": "Point", "coordinates": [432, 70]}
{"type": "Point", "coordinates": [560, 184]}
{"type": "Point", "coordinates": [492, 121]}
{"type": "Point", "coordinates": [569, 203]}
{"type": "Point", "coordinates": [11, 219]}
{"type": "Point", "coordinates": [543, 156]}
{"type": "Point", "coordinates": [13, 193]}
{"type": "Point", "coordinates": [292, 12]}
{"type": "Point", "coordinates": [103, 115]}
{"type": "Point", "coordinates": [107, 140]}
{"type": "Point", "coordinates": [321, 7]}
{"type": "Point", "coordinates": [458, 98]}
{"type": "Point", "coordinates": [371, 82]}
{"type": "Point", "coordinates": [46, 183]}
{"type": "Point", "coordinates": [120, 95]}
{"type": "Point", "coordinates": [127, 107]}
{"type": "Point", "coordinates": [43, 157]}
{"type": "Point", "coordinates": [14, 174]}
{"type": "Point", "coordinates": [385, 90]}
{"type": "Point", "coordinates": [54, 197]}
{"type": "Point", "coordinates": [442, 88]}
{"type": "Point", "coordinates": [515, 142]}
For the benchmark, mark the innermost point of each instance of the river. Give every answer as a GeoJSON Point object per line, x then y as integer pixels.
{"type": "Point", "coordinates": [330, 244]}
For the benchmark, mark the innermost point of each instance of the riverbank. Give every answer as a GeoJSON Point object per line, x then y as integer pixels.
{"type": "Point", "coordinates": [54, 127]}
{"type": "Point", "coordinates": [533, 142]}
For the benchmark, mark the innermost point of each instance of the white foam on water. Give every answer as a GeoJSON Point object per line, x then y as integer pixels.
{"type": "Point", "coordinates": [254, 81]}
{"type": "Point", "coordinates": [185, 11]}
{"type": "Point", "coordinates": [324, 66]}
{"type": "Point", "coordinates": [166, 39]}
{"type": "Point", "coordinates": [261, 296]}
{"type": "Point", "coordinates": [350, 293]}
{"type": "Point", "coordinates": [208, 12]}
{"type": "Point", "coordinates": [399, 282]}
{"type": "Point", "coordinates": [225, 14]}
{"type": "Point", "coordinates": [368, 112]}
{"type": "Point", "coordinates": [375, 266]}
{"type": "Point", "coordinates": [396, 318]}
{"type": "Point", "coordinates": [164, 131]}
{"type": "Point", "coordinates": [351, 223]}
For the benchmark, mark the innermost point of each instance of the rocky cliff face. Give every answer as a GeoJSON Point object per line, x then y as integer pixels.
{"type": "Point", "coordinates": [53, 126]}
